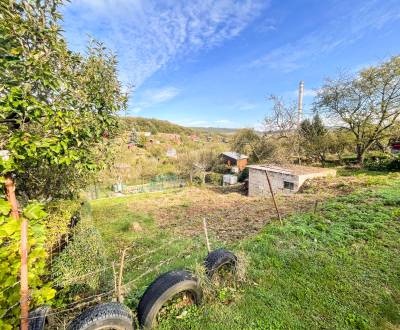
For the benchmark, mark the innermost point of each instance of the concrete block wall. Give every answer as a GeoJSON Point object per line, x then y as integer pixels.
{"type": "Point", "coordinates": [258, 184]}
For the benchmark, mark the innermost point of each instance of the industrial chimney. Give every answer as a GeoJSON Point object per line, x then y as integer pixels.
{"type": "Point", "coordinates": [300, 104]}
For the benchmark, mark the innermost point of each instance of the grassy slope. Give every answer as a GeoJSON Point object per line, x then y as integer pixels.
{"type": "Point", "coordinates": [337, 269]}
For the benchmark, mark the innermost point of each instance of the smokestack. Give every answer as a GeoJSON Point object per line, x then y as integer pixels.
{"type": "Point", "coordinates": [300, 105]}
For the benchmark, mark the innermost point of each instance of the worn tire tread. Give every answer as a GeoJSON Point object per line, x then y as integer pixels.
{"type": "Point", "coordinates": [37, 317]}
{"type": "Point", "coordinates": [158, 287]}
{"type": "Point", "coordinates": [217, 258]}
{"type": "Point", "coordinates": [101, 312]}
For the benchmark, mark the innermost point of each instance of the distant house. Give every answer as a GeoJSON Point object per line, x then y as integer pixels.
{"type": "Point", "coordinates": [194, 138]}
{"type": "Point", "coordinates": [395, 147]}
{"type": "Point", "coordinates": [171, 152]}
{"type": "Point", "coordinates": [235, 159]}
{"type": "Point", "coordinates": [175, 138]}
{"type": "Point", "coordinates": [285, 179]}
{"type": "Point", "coordinates": [146, 134]}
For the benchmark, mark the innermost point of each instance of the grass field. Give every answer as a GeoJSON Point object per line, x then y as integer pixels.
{"type": "Point", "coordinates": [337, 268]}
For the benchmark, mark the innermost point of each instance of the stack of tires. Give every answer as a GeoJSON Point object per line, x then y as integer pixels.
{"type": "Point", "coordinates": [164, 288]}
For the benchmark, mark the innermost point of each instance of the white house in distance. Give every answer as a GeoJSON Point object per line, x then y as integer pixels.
{"type": "Point", "coordinates": [171, 153]}
{"type": "Point", "coordinates": [284, 179]}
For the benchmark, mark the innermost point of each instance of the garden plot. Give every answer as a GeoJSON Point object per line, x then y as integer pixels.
{"type": "Point", "coordinates": [230, 214]}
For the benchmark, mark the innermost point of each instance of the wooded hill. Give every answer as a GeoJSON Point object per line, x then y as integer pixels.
{"type": "Point", "coordinates": [156, 126]}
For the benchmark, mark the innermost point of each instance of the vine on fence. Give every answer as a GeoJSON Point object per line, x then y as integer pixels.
{"type": "Point", "coordinates": [10, 262]}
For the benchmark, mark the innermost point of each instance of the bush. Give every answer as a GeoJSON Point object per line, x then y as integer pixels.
{"type": "Point", "coordinates": [221, 168]}
{"type": "Point", "coordinates": [383, 163]}
{"type": "Point", "coordinates": [58, 221]}
{"type": "Point", "coordinates": [214, 178]}
{"type": "Point", "coordinates": [84, 253]}
{"type": "Point", "coordinates": [394, 165]}
{"type": "Point", "coordinates": [243, 175]}
{"type": "Point", "coordinates": [10, 235]}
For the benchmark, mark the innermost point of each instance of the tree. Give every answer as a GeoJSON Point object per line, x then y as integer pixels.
{"type": "Point", "coordinates": [246, 141]}
{"type": "Point", "coordinates": [315, 138]}
{"type": "Point", "coordinates": [196, 162]}
{"type": "Point", "coordinates": [280, 141]}
{"type": "Point", "coordinates": [283, 117]}
{"type": "Point", "coordinates": [340, 141]}
{"type": "Point", "coordinates": [367, 105]}
{"type": "Point", "coordinates": [56, 107]}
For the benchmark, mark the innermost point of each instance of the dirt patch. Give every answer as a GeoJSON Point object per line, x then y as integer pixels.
{"type": "Point", "coordinates": [230, 214]}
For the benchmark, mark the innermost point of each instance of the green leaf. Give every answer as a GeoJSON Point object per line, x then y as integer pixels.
{"type": "Point", "coordinates": [5, 207]}
{"type": "Point", "coordinates": [34, 212]}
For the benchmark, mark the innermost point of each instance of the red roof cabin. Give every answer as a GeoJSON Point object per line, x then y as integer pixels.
{"type": "Point", "coordinates": [235, 159]}
{"type": "Point", "coordinates": [395, 146]}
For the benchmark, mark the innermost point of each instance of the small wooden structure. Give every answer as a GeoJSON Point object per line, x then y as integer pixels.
{"type": "Point", "coordinates": [235, 159]}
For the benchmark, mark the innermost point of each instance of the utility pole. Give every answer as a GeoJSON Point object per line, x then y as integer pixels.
{"type": "Point", "coordinates": [300, 104]}
{"type": "Point", "coordinates": [299, 117]}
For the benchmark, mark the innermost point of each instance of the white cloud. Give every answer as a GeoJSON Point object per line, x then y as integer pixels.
{"type": "Point", "coordinates": [136, 109]}
{"type": "Point", "coordinates": [347, 28]}
{"type": "Point", "coordinates": [244, 106]}
{"type": "Point", "coordinates": [152, 97]}
{"type": "Point", "coordinates": [147, 34]}
{"type": "Point", "coordinates": [193, 123]}
{"type": "Point", "coordinates": [161, 95]}
{"type": "Point", "coordinates": [224, 121]}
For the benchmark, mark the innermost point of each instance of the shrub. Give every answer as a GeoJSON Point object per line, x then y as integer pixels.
{"type": "Point", "coordinates": [214, 178]}
{"type": "Point", "coordinates": [383, 163]}
{"type": "Point", "coordinates": [221, 168]}
{"type": "Point", "coordinates": [243, 175]}
{"type": "Point", "coordinates": [10, 262]}
{"type": "Point", "coordinates": [84, 253]}
{"type": "Point", "coordinates": [58, 221]}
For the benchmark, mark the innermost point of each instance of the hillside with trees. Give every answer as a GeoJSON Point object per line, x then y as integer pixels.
{"type": "Point", "coordinates": [155, 126]}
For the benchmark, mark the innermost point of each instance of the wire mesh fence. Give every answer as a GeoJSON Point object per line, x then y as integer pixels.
{"type": "Point", "coordinates": [158, 183]}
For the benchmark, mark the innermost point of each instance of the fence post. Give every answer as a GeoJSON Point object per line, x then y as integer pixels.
{"type": "Point", "coordinates": [120, 298]}
{"type": "Point", "coordinates": [206, 235]}
{"type": "Point", "coordinates": [273, 197]}
{"type": "Point", "coordinates": [24, 291]}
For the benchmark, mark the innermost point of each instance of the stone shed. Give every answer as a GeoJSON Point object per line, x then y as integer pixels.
{"type": "Point", "coordinates": [284, 179]}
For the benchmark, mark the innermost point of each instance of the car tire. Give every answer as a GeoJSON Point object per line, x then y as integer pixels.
{"type": "Point", "coordinates": [38, 318]}
{"type": "Point", "coordinates": [104, 316]}
{"type": "Point", "coordinates": [164, 288]}
{"type": "Point", "coordinates": [217, 259]}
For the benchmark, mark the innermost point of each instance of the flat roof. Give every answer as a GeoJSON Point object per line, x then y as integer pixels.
{"type": "Point", "coordinates": [291, 169]}
{"type": "Point", "coordinates": [234, 155]}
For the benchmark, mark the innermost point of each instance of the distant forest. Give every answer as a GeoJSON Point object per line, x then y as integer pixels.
{"type": "Point", "coordinates": [156, 126]}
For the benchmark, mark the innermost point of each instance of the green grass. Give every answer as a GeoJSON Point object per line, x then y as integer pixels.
{"type": "Point", "coordinates": [337, 269]}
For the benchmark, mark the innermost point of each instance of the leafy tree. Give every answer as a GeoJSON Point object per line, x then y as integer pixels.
{"type": "Point", "coordinates": [196, 162]}
{"type": "Point", "coordinates": [246, 141]}
{"type": "Point", "coordinates": [367, 105]}
{"type": "Point", "coordinates": [315, 138]}
{"type": "Point", "coordinates": [56, 107]}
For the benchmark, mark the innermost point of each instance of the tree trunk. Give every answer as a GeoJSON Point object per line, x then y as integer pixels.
{"type": "Point", "coordinates": [360, 154]}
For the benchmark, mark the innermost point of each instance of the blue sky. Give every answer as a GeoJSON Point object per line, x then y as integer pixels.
{"type": "Point", "coordinates": [213, 63]}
